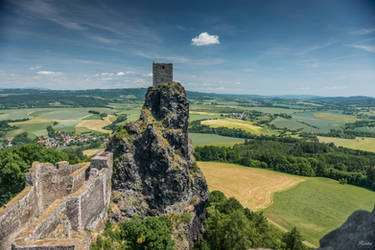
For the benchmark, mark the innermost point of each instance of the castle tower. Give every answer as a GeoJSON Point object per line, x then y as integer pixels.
{"type": "Point", "coordinates": [161, 73]}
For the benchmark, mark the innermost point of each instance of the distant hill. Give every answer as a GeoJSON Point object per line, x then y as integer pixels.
{"type": "Point", "coordinates": [43, 98]}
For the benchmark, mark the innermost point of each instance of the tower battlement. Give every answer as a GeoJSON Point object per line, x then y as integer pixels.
{"type": "Point", "coordinates": [162, 73]}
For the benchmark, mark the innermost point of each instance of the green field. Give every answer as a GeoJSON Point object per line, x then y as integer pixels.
{"type": "Point", "coordinates": [314, 205]}
{"type": "Point", "coordinates": [359, 143]}
{"type": "Point", "coordinates": [271, 110]}
{"type": "Point", "coordinates": [234, 124]}
{"type": "Point", "coordinates": [212, 139]}
{"type": "Point", "coordinates": [292, 124]}
{"type": "Point", "coordinates": [317, 206]}
{"type": "Point", "coordinates": [324, 121]}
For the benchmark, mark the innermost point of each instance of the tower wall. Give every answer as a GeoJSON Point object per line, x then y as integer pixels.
{"type": "Point", "coordinates": [162, 72]}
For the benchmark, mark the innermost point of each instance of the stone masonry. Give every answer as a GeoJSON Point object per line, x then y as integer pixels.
{"type": "Point", "coordinates": [57, 205]}
{"type": "Point", "coordinates": [162, 73]}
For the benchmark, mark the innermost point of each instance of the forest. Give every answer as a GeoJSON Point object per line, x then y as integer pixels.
{"type": "Point", "coordinates": [299, 157]}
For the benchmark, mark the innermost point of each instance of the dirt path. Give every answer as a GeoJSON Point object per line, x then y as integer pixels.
{"type": "Point", "coordinates": [286, 230]}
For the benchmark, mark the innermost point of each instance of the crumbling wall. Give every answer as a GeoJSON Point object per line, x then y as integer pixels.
{"type": "Point", "coordinates": [80, 202]}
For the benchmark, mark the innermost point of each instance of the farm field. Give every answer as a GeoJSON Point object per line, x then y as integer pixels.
{"type": "Point", "coordinates": [359, 143]}
{"type": "Point", "coordinates": [212, 139]}
{"type": "Point", "coordinates": [195, 115]}
{"type": "Point", "coordinates": [315, 205]}
{"type": "Point", "coordinates": [323, 121]}
{"type": "Point", "coordinates": [280, 122]}
{"type": "Point", "coordinates": [271, 110]}
{"type": "Point", "coordinates": [96, 125]}
{"type": "Point", "coordinates": [234, 123]}
{"type": "Point", "coordinates": [68, 119]}
{"type": "Point", "coordinates": [253, 187]}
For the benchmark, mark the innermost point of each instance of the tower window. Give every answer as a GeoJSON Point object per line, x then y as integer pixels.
{"type": "Point", "coordinates": [163, 67]}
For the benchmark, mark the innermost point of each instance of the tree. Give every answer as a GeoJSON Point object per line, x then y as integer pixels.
{"type": "Point", "coordinates": [51, 131]}
{"type": "Point", "coordinates": [150, 233]}
{"type": "Point", "coordinates": [293, 240]}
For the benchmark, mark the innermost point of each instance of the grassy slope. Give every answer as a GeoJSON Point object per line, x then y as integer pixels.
{"type": "Point", "coordinates": [280, 122]}
{"type": "Point", "coordinates": [316, 205]}
{"type": "Point", "coordinates": [360, 143]}
{"type": "Point", "coordinates": [253, 187]}
{"type": "Point", "coordinates": [234, 123]}
{"type": "Point", "coordinates": [212, 139]}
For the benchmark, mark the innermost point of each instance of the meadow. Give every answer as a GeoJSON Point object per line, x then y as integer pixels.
{"type": "Point", "coordinates": [314, 205]}
{"type": "Point", "coordinates": [293, 124]}
{"type": "Point", "coordinates": [359, 143]}
{"type": "Point", "coordinates": [323, 121]}
{"type": "Point", "coordinates": [76, 120]}
{"type": "Point", "coordinates": [212, 139]}
{"type": "Point", "coordinates": [234, 123]}
{"type": "Point", "coordinates": [318, 206]}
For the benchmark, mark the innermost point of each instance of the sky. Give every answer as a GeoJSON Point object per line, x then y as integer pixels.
{"type": "Point", "coordinates": [273, 47]}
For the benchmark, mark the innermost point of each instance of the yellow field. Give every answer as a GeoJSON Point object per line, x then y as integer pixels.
{"type": "Point", "coordinates": [253, 187]}
{"type": "Point", "coordinates": [335, 117]}
{"type": "Point", "coordinates": [91, 152]}
{"type": "Point", "coordinates": [233, 123]}
{"type": "Point", "coordinates": [360, 143]}
{"type": "Point", "coordinates": [96, 125]}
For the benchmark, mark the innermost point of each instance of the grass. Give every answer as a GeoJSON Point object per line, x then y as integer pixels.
{"type": "Point", "coordinates": [323, 121]}
{"type": "Point", "coordinates": [280, 122]}
{"type": "Point", "coordinates": [332, 117]}
{"type": "Point", "coordinates": [359, 143]}
{"type": "Point", "coordinates": [212, 139]}
{"type": "Point", "coordinates": [234, 123]}
{"type": "Point", "coordinates": [34, 127]}
{"type": "Point", "coordinates": [271, 110]}
{"type": "Point", "coordinates": [193, 116]}
{"type": "Point", "coordinates": [314, 205]}
{"type": "Point", "coordinates": [318, 206]}
{"type": "Point", "coordinates": [96, 125]}
{"type": "Point", "coordinates": [67, 119]}
{"type": "Point", "coordinates": [253, 187]}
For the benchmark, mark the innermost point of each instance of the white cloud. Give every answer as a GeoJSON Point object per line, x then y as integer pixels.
{"type": "Point", "coordinates": [205, 39]}
{"type": "Point", "coordinates": [48, 73]}
{"type": "Point", "coordinates": [149, 74]}
{"type": "Point", "coordinates": [35, 67]}
{"type": "Point", "coordinates": [363, 32]}
{"type": "Point", "coordinates": [365, 47]}
{"type": "Point", "coordinates": [121, 73]}
{"type": "Point", "coordinates": [106, 74]}
{"type": "Point", "coordinates": [334, 87]}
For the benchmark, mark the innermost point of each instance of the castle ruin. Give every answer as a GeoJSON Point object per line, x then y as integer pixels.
{"type": "Point", "coordinates": [162, 73]}
{"type": "Point", "coordinates": [57, 205]}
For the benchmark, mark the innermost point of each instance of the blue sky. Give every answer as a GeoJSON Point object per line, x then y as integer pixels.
{"type": "Point", "coordinates": [269, 47]}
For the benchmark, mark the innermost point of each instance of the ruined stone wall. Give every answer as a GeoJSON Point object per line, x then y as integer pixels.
{"type": "Point", "coordinates": [80, 203]}
{"type": "Point", "coordinates": [162, 73]}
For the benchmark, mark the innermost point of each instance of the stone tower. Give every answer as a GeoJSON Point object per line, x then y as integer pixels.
{"type": "Point", "coordinates": [161, 73]}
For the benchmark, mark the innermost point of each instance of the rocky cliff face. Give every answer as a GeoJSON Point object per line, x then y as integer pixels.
{"type": "Point", "coordinates": [358, 232]}
{"type": "Point", "coordinates": [154, 172]}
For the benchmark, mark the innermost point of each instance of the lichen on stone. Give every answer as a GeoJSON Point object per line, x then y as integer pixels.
{"type": "Point", "coordinates": [156, 174]}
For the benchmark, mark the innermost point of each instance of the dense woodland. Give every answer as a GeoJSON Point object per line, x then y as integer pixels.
{"type": "Point", "coordinates": [299, 157]}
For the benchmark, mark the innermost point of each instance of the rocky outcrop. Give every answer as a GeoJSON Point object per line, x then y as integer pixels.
{"type": "Point", "coordinates": [154, 172]}
{"type": "Point", "coordinates": [358, 232]}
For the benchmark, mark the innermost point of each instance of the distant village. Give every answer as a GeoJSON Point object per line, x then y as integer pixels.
{"type": "Point", "coordinates": [62, 140]}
